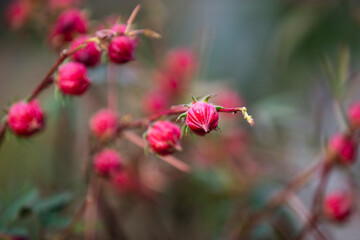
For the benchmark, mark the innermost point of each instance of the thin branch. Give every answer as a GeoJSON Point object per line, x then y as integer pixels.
{"type": "Point", "coordinates": [132, 17]}
{"type": "Point", "coordinates": [279, 198]}
{"type": "Point", "coordinates": [317, 201]}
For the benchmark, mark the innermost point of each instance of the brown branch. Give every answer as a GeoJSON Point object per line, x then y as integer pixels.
{"type": "Point", "coordinates": [173, 161]}
{"type": "Point", "coordinates": [142, 123]}
{"type": "Point", "coordinates": [45, 82]}
{"type": "Point", "coordinates": [297, 206]}
{"type": "Point", "coordinates": [317, 200]}
{"type": "Point", "coordinates": [278, 199]}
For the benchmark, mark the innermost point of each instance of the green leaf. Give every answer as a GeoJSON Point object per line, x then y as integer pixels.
{"type": "Point", "coordinates": [53, 204]}
{"type": "Point", "coordinates": [19, 207]}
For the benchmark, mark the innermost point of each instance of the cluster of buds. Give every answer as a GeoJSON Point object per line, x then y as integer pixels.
{"type": "Point", "coordinates": [201, 117]}
{"type": "Point", "coordinates": [342, 149]}
{"type": "Point", "coordinates": [171, 80]}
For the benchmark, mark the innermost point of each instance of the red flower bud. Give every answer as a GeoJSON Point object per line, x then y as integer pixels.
{"type": "Point", "coordinates": [107, 161]}
{"type": "Point", "coordinates": [17, 13]}
{"type": "Point", "coordinates": [55, 5]}
{"type": "Point", "coordinates": [155, 101]}
{"type": "Point", "coordinates": [338, 205]}
{"type": "Point", "coordinates": [25, 118]}
{"type": "Point", "coordinates": [354, 114]}
{"type": "Point", "coordinates": [104, 124]}
{"type": "Point", "coordinates": [89, 55]}
{"type": "Point", "coordinates": [344, 147]}
{"type": "Point", "coordinates": [181, 62]}
{"type": "Point", "coordinates": [121, 49]}
{"type": "Point", "coordinates": [69, 24]}
{"type": "Point", "coordinates": [125, 182]}
{"type": "Point", "coordinates": [170, 83]}
{"type": "Point", "coordinates": [119, 28]}
{"type": "Point", "coordinates": [202, 118]}
{"type": "Point", "coordinates": [73, 79]}
{"type": "Point", "coordinates": [164, 137]}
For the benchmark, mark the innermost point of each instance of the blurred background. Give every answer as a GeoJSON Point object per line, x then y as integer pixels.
{"type": "Point", "coordinates": [266, 52]}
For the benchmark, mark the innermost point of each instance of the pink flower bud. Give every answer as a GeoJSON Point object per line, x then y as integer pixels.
{"type": "Point", "coordinates": [164, 137]}
{"type": "Point", "coordinates": [25, 118]}
{"type": "Point", "coordinates": [17, 14]}
{"type": "Point", "coordinates": [170, 83]}
{"type": "Point", "coordinates": [202, 118]}
{"type": "Point", "coordinates": [125, 182]}
{"type": "Point", "coordinates": [119, 28]}
{"type": "Point", "coordinates": [89, 55]}
{"type": "Point", "coordinates": [121, 49]}
{"type": "Point", "coordinates": [70, 23]}
{"type": "Point", "coordinates": [104, 124]}
{"type": "Point", "coordinates": [55, 5]}
{"type": "Point", "coordinates": [155, 101]}
{"type": "Point", "coordinates": [338, 206]}
{"type": "Point", "coordinates": [354, 114]}
{"type": "Point", "coordinates": [73, 79]}
{"type": "Point", "coordinates": [181, 62]}
{"type": "Point", "coordinates": [107, 161]}
{"type": "Point", "coordinates": [344, 147]}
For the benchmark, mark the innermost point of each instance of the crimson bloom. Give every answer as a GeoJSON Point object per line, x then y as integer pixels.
{"type": "Point", "coordinates": [344, 147]}
{"type": "Point", "coordinates": [25, 118]}
{"type": "Point", "coordinates": [202, 117]}
{"type": "Point", "coordinates": [73, 79]}
{"type": "Point", "coordinates": [121, 49]}
{"type": "Point", "coordinates": [89, 55]}
{"type": "Point", "coordinates": [164, 137]}
{"type": "Point", "coordinates": [104, 124]}
{"type": "Point", "coordinates": [107, 161]}
{"type": "Point", "coordinates": [338, 205]}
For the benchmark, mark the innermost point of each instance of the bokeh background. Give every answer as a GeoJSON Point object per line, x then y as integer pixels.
{"type": "Point", "coordinates": [269, 51]}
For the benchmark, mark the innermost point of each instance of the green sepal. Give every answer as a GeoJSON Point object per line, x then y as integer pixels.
{"type": "Point", "coordinates": [184, 130]}
{"type": "Point", "coordinates": [194, 98]}
{"type": "Point", "coordinates": [218, 107]}
{"type": "Point", "coordinates": [181, 116]}
{"type": "Point", "coordinates": [206, 98]}
{"type": "Point", "coordinates": [147, 149]}
{"type": "Point", "coordinates": [218, 128]}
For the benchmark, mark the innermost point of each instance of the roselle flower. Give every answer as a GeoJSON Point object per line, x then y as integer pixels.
{"type": "Point", "coordinates": [121, 49]}
{"type": "Point", "coordinates": [17, 14]}
{"type": "Point", "coordinates": [125, 182]}
{"type": "Point", "coordinates": [344, 148]}
{"type": "Point", "coordinates": [164, 137]}
{"type": "Point", "coordinates": [25, 118]}
{"type": "Point", "coordinates": [170, 83]}
{"type": "Point", "coordinates": [69, 24]}
{"type": "Point", "coordinates": [155, 101]}
{"type": "Point", "coordinates": [73, 79]}
{"type": "Point", "coordinates": [202, 117]}
{"type": "Point", "coordinates": [119, 28]}
{"type": "Point", "coordinates": [55, 5]}
{"type": "Point", "coordinates": [181, 62]}
{"type": "Point", "coordinates": [338, 206]}
{"type": "Point", "coordinates": [107, 162]}
{"type": "Point", "coordinates": [354, 114]}
{"type": "Point", "coordinates": [104, 124]}
{"type": "Point", "coordinates": [89, 55]}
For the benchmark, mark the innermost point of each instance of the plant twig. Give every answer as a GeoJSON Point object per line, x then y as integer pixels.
{"type": "Point", "coordinates": [317, 200]}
